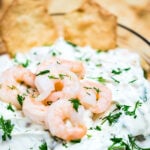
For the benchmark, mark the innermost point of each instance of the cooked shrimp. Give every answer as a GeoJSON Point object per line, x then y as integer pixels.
{"type": "Point", "coordinates": [34, 110]}
{"type": "Point", "coordinates": [95, 96]}
{"type": "Point", "coordinates": [58, 84]}
{"type": "Point", "coordinates": [74, 66]}
{"type": "Point", "coordinates": [64, 122]}
{"type": "Point", "coordinates": [10, 81]}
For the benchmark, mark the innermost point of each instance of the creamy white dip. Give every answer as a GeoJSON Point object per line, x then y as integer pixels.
{"type": "Point", "coordinates": [128, 86]}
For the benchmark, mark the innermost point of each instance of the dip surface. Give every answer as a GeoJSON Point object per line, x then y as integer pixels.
{"type": "Point", "coordinates": [118, 69]}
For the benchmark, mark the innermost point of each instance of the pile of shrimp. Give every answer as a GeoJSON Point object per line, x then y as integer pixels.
{"type": "Point", "coordinates": [59, 84]}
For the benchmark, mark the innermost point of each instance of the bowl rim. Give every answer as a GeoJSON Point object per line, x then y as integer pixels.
{"type": "Point", "coordinates": [135, 33]}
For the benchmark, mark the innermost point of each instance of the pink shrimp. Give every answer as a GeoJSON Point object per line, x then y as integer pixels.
{"type": "Point", "coordinates": [95, 96]}
{"type": "Point", "coordinates": [64, 122]}
{"type": "Point", "coordinates": [57, 84]}
{"type": "Point", "coordinates": [34, 110]}
{"type": "Point", "coordinates": [10, 81]}
{"type": "Point", "coordinates": [74, 66]}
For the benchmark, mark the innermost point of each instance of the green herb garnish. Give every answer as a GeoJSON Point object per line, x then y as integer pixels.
{"type": "Point", "coordinates": [89, 136]}
{"type": "Point", "coordinates": [127, 69]}
{"type": "Point", "coordinates": [26, 63]}
{"type": "Point", "coordinates": [99, 51]}
{"type": "Point", "coordinates": [52, 77]}
{"type": "Point", "coordinates": [86, 87]}
{"type": "Point", "coordinates": [101, 80]}
{"type": "Point", "coordinates": [121, 144]}
{"type": "Point", "coordinates": [119, 71]}
{"type": "Point", "coordinates": [83, 59]}
{"type": "Point", "coordinates": [76, 103]}
{"type": "Point", "coordinates": [6, 127]}
{"type": "Point", "coordinates": [75, 141]}
{"type": "Point", "coordinates": [98, 65]}
{"type": "Point", "coordinates": [118, 144]}
{"type": "Point", "coordinates": [61, 76]}
{"type": "Point", "coordinates": [43, 146]}
{"type": "Point", "coordinates": [9, 107]}
{"type": "Point", "coordinates": [20, 99]}
{"type": "Point", "coordinates": [72, 44]}
{"type": "Point", "coordinates": [132, 81]}
{"type": "Point", "coordinates": [98, 128]}
{"type": "Point", "coordinates": [53, 54]}
{"type": "Point", "coordinates": [43, 72]}
{"type": "Point", "coordinates": [94, 88]}
{"type": "Point", "coordinates": [87, 59]}
{"type": "Point", "coordinates": [112, 118]}
{"type": "Point", "coordinates": [126, 108]}
{"type": "Point", "coordinates": [56, 53]}
{"type": "Point", "coordinates": [65, 145]}
{"type": "Point", "coordinates": [115, 80]}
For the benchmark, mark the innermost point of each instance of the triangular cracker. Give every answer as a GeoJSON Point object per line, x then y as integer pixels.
{"type": "Point", "coordinates": [91, 25]}
{"type": "Point", "coordinates": [27, 24]}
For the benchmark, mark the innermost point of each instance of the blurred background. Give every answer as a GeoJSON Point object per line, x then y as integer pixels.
{"type": "Point", "coordinates": [132, 13]}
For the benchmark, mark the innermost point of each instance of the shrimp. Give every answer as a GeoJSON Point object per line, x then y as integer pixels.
{"type": "Point", "coordinates": [36, 111]}
{"type": "Point", "coordinates": [64, 122]}
{"type": "Point", "coordinates": [74, 66]}
{"type": "Point", "coordinates": [10, 81]}
{"type": "Point", "coordinates": [95, 96]}
{"type": "Point", "coordinates": [58, 84]}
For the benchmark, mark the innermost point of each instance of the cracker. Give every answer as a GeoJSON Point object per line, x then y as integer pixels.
{"type": "Point", "coordinates": [2, 46]}
{"type": "Point", "coordinates": [63, 6]}
{"type": "Point", "coordinates": [27, 24]}
{"type": "Point", "coordinates": [4, 6]}
{"type": "Point", "coordinates": [88, 25]}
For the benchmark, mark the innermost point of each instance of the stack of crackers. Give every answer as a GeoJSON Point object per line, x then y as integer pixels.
{"type": "Point", "coordinates": [28, 23]}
